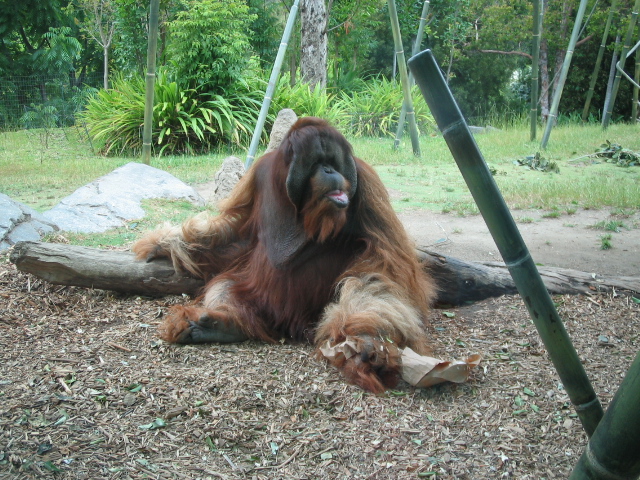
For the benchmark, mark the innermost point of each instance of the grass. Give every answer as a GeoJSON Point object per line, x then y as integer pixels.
{"type": "Point", "coordinates": [40, 177]}
{"type": "Point", "coordinates": [605, 242]}
{"type": "Point", "coordinates": [610, 225]}
{"type": "Point", "coordinates": [68, 163]}
{"type": "Point", "coordinates": [435, 182]}
{"type": "Point", "coordinates": [554, 213]}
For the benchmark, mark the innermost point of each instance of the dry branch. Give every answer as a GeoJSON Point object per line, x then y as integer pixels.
{"type": "Point", "coordinates": [459, 281]}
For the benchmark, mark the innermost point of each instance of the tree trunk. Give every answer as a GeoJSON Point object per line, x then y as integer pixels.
{"type": "Point", "coordinates": [560, 54]}
{"type": "Point", "coordinates": [544, 80]}
{"type": "Point", "coordinates": [313, 59]}
{"type": "Point", "coordinates": [535, 67]}
{"type": "Point", "coordinates": [106, 68]}
{"type": "Point", "coordinates": [459, 282]}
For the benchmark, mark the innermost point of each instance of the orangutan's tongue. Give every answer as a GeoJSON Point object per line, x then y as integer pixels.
{"type": "Point", "coordinates": [338, 196]}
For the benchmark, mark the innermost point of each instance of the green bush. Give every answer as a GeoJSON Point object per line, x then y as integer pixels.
{"type": "Point", "coordinates": [375, 109]}
{"type": "Point", "coordinates": [184, 121]}
{"type": "Point", "coordinates": [114, 117]}
{"type": "Point", "coordinates": [372, 110]}
{"type": "Point", "coordinates": [209, 43]}
{"type": "Point", "coordinates": [303, 100]}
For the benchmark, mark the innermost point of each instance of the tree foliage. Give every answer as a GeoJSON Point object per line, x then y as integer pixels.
{"type": "Point", "coordinates": [267, 30]}
{"type": "Point", "coordinates": [210, 46]}
{"type": "Point", "coordinates": [23, 26]}
{"type": "Point", "coordinates": [209, 43]}
{"type": "Point", "coordinates": [60, 53]}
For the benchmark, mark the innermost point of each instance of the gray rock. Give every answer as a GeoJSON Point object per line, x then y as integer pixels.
{"type": "Point", "coordinates": [286, 118]}
{"type": "Point", "coordinates": [114, 199]}
{"type": "Point", "coordinates": [21, 223]}
{"type": "Point", "coordinates": [226, 178]}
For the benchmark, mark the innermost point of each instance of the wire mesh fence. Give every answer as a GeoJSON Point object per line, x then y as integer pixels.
{"type": "Point", "coordinates": [42, 105]}
{"type": "Point", "coordinates": [40, 101]}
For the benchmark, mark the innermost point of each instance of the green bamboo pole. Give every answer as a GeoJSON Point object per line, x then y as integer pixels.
{"type": "Point", "coordinates": [636, 88]}
{"type": "Point", "coordinates": [612, 75]}
{"type": "Point", "coordinates": [613, 452]}
{"type": "Point", "coordinates": [150, 81]}
{"type": "Point", "coordinates": [414, 51]}
{"type": "Point", "coordinates": [553, 114]}
{"type": "Point", "coordinates": [596, 68]}
{"type": "Point", "coordinates": [507, 237]}
{"type": "Point", "coordinates": [620, 65]}
{"type": "Point", "coordinates": [535, 66]}
{"type": "Point", "coordinates": [404, 77]}
{"type": "Point", "coordinates": [271, 86]}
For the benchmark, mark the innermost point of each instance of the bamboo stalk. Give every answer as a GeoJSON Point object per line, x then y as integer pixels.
{"type": "Point", "coordinates": [535, 66]}
{"type": "Point", "coordinates": [507, 237]}
{"type": "Point", "coordinates": [596, 68]}
{"type": "Point", "coordinates": [620, 65]}
{"type": "Point", "coordinates": [557, 94]}
{"type": "Point", "coordinates": [404, 77]}
{"type": "Point", "coordinates": [636, 89]}
{"type": "Point", "coordinates": [612, 451]}
{"type": "Point", "coordinates": [271, 86]}
{"type": "Point", "coordinates": [150, 81]}
{"type": "Point", "coordinates": [414, 51]}
{"type": "Point", "coordinates": [612, 75]}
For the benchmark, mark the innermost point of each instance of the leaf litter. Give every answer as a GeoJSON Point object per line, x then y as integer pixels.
{"type": "Point", "coordinates": [87, 390]}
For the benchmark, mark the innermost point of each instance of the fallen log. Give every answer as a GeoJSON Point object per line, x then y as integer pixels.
{"type": "Point", "coordinates": [459, 282]}
{"type": "Point", "coordinates": [118, 271]}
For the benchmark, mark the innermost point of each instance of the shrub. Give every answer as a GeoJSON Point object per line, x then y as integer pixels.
{"type": "Point", "coordinates": [375, 110]}
{"type": "Point", "coordinates": [209, 43]}
{"type": "Point", "coordinates": [184, 121]}
{"type": "Point", "coordinates": [303, 100]}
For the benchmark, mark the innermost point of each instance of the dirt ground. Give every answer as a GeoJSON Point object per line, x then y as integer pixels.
{"type": "Point", "coordinates": [569, 241]}
{"type": "Point", "coordinates": [88, 391]}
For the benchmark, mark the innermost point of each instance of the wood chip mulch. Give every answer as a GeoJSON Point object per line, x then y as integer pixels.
{"type": "Point", "coordinates": [88, 391]}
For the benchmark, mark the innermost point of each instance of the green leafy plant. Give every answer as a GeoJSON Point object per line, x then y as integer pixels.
{"type": "Point", "coordinates": [372, 110]}
{"type": "Point", "coordinates": [208, 43]}
{"type": "Point", "coordinates": [180, 116]}
{"type": "Point", "coordinates": [614, 153]}
{"type": "Point", "coordinates": [114, 117]}
{"type": "Point", "coordinates": [305, 101]}
{"type": "Point", "coordinates": [605, 242]}
{"type": "Point", "coordinates": [539, 163]}
{"type": "Point", "coordinates": [611, 225]}
{"type": "Point", "coordinates": [375, 109]}
{"type": "Point", "coordinates": [63, 50]}
{"type": "Point", "coordinates": [42, 118]}
{"type": "Point", "coordinates": [184, 121]}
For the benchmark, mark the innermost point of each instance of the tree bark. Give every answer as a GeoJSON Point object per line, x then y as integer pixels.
{"type": "Point", "coordinates": [104, 269]}
{"type": "Point", "coordinates": [313, 59]}
{"type": "Point", "coordinates": [544, 80]}
{"type": "Point", "coordinates": [459, 282]}
{"type": "Point", "coordinates": [105, 75]}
